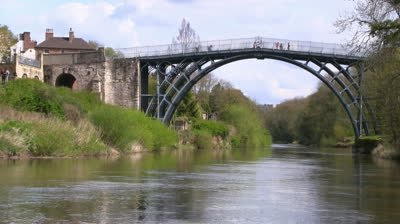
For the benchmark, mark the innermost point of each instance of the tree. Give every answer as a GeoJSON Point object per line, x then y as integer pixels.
{"type": "Point", "coordinates": [378, 28]}
{"type": "Point", "coordinates": [187, 36]}
{"type": "Point", "coordinates": [7, 39]}
{"type": "Point", "coordinates": [377, 24]}
{"type": "Point", "coordinates": [202, 91]}
{"type": "Point", "coordinates": [109, 52]}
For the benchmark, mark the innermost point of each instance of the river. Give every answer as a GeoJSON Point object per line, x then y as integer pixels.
{"type": "Point", "coordinates": [285, 184]}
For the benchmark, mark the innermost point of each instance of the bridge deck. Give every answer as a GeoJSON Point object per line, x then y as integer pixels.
{"type": "Point", "coordinates": [298, 50]}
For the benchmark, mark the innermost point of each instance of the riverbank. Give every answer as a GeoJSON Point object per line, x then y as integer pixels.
{"type": "Point", "coordinates": [40, 121]}
{"type": "Point", "coordinates": [37, 120]}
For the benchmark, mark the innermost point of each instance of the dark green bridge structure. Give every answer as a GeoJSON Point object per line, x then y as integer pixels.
{"type": "Point", "coordinates": [179, 67]}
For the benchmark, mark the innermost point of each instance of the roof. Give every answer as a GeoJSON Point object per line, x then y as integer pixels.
{"type": "Point", "coordinates": [63, 43]}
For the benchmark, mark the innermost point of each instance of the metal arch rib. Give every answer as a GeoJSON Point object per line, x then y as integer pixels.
{"type": "Point", "coordinates": [178, 98]}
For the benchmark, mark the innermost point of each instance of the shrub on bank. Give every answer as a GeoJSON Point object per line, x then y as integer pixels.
{"type": "Point", "coordinates": [215, 128]}
{"type": "Point", "coordinates": [49, 137]}
{"type": "Point", "coordinates": [122, 127]}
{"type": "Point", "coordinates": [46, 121]}
{"type": "Point", "coordinates": [250, 132]}
{"type": "Point", "coordinates": [31, 95]}
{"type": "Point", "coordinates": [203, 139]}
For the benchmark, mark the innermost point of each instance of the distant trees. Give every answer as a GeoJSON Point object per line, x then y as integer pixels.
{"type": "Point", "coordinates": [7, 39]}
{"type": "Point", "coordinates": [315, 120]}
{"type": "Point", "coordinates": [109, 52]}
{"type": "Point", "coordinates": [283, 120]}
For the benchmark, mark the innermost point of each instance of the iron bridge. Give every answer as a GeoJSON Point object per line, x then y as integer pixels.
{"type": "Point", "coordinates": [178, 67]}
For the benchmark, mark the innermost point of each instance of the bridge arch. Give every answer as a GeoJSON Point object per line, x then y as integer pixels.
{"type": "Point", "coordinates": [176, 82]}
{"type": "Point", "coordinates": [66, 80]}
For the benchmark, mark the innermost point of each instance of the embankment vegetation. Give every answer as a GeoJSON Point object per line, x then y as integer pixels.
{"type": "Point", "coordinates": [376, 33]}
{"type": "Point", "coordinates": [318, 120]}
{"type": "Point", "coordinates": [233, 120]}
{"type": "Point", "coordinates": [39, 120]}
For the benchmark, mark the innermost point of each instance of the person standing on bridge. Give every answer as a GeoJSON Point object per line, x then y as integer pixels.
{"type": "Point", "coordinates": [281, 46]}
{"type": "Point", "coordinates": [288, 46]}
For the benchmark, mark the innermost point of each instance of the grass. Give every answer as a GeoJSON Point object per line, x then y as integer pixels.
{"type": "Point", "coordinates": [122, 127]}
{"type": "Point", "coordinates": [44, 121]}
{"type": "Point", "coordinates": [248, 125]}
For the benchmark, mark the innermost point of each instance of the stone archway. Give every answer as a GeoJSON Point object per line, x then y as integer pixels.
{"type": "Point", "coordinates": [66, 80]}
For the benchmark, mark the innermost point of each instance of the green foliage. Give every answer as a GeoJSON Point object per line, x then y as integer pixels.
{"type": "Point", "coordinates": [32, 95]}
{"type": "Point", "coordinates": [368, 143]}
{"type": "Point", "coordinates": [52, 136]}
{"type": "Point", "coordinates": [282, 121]}
{"type": "Point", "coordinates": [7, 39]}
{"type": "Point", "coordinates": [215, 128]}
{"type": "Point", "coordinates": [189, 107]}
{"type": "Point", "coordinates": [122, 127]}
{"type": "Point", "coordinates": [382, 87]}
{"type": "Point", "coordinates": [12, 135]}
{"type": "Point", "coordinates": [250, 132]}
{"type": "Point", "coordinates": [203, 139]}
{"type": "Point", "coordinates": [85, 101]}
{"type": "Point", "coordinates": [316, 120]}
{"type": "Point", "coordinates": [49, 138]}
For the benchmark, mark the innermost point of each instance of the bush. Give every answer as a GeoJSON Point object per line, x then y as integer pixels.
{"type": "Point", "coordinates": [215, 128]}
{"type": "Point", "coordinates": [203, 139]}
{"type": "Point", "coordinates": [85, 101]}
{"type": "Point", "coordinates": [31, 95]}
{"type": "Point", "coordinates": [122, 127]}
{"type": "Point", "coordinates": [248, 124]}
{"type": "Point", "coordinates": [49, 137]}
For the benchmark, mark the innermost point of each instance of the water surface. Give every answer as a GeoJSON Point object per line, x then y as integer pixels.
{"type": "Point", "coordinates": [285, 184]}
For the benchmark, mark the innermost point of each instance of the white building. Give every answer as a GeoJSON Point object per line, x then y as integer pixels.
{"type": "Point", "coordinates": [25, 47]}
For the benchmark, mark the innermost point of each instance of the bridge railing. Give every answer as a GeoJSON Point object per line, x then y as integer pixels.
{"type": "Point", "coordinates": [238, 44]}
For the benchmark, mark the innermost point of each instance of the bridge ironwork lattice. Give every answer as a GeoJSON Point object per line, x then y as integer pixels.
{"type": "Point", "coordinates": [178, 67]}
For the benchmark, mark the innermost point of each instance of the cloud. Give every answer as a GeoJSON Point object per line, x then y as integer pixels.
{"type": "Point", "coordinates": [95, 21]}
{"type": "Point", "coordinates": [268, 81]}
{"type": "Point", "coordinates": [126, 23]}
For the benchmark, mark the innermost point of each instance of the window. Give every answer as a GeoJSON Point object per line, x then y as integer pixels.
{"type": "Point", "coordinates": [46, 51]}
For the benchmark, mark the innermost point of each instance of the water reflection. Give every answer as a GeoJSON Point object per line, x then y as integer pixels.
{"type": "Point", "coordinates": [291, 185]}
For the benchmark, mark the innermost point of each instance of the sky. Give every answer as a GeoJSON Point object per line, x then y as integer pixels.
{"type": "Point", "coordinates": [131, 23]}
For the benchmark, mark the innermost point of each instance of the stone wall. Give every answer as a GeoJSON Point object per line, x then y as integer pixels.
{"type": "Point", "coordinates": [116, 81]}
{"type": "Point", "coordinates": [88, 76]}
{"type": "Point", "coordinates": [28, 68]}
{"type": "Point", "coordinates": [122, 82]}
{"type": "Point", "coordinates": [74, 58]}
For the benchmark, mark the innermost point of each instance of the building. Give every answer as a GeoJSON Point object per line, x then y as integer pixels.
{"type": "Point", "coordinates": [25, 47]}
{"type": "Point", "coordinates": [61, 45]}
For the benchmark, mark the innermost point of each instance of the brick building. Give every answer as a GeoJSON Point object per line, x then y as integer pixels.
{"type": "Point", "coordinates": [61, 45]}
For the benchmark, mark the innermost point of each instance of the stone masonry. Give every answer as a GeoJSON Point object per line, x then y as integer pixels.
{"type": "Point", "coordinates": [116, 81]}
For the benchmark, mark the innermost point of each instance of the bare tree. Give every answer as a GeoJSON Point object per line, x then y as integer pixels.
{"type": "Point", "coordinates": [375, 23]}
{"type": "Point", "coordinates": [205, 84]}
{"type": "Point", "coordinates": [187, 36]}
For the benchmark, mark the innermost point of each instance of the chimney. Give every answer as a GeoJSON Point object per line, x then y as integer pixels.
{"type": "Point", "coordinates": [49, 34]}
{"type": "Point", "coordinates": [27, 40]}
{"type": "Point", "coordinates": [71, 35]}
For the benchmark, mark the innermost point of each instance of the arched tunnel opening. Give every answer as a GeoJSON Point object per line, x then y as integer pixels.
{"type": "Point", "coordinates": [65, 80]}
